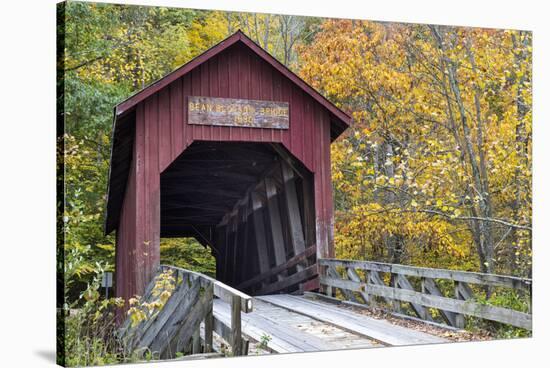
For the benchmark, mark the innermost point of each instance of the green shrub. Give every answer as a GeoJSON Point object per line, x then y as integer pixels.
{"type": "Point", "coordinates": [90, 329]}
{"type": "Point", "coordinates": [505, 298]}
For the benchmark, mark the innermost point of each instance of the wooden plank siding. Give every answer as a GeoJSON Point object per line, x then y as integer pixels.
{"type": "Point", "coordinates": [162, 134]}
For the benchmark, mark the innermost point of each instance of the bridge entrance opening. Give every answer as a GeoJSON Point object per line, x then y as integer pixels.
{"type": "Point", "coordinates": [251, 204]}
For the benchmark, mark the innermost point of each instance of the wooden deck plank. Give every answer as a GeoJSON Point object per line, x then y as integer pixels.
{"type": "Point", "coordinates": [276, 345]}
{"type": "Point", "coordinates": [291, 332]}
{"type": "Point", "coordinates": [314, 332]}
{"type": "Point", "coordinates": [379, 330]}
{"type": "Point", "coordinates": [292, 336]}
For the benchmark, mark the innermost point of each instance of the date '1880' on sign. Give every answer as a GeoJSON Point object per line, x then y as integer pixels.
{"type": "Point", "coordinates": [237, 112]}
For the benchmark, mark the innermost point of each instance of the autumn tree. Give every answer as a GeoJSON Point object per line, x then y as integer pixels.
{"type": "Point", "coordinates": [440, 145]}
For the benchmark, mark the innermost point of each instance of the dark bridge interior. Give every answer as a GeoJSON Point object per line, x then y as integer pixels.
{"type": "Point", "coordinates": [205, 182]}
{"type": "Point", "coordinates": [251, 203]}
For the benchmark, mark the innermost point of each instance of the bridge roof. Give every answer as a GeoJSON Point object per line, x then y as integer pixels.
{"type": "Point", "coordinates": [340, 118]}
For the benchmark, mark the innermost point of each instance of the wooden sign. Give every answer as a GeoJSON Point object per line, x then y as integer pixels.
{"type": "Point", "coordinates": [235, 112]}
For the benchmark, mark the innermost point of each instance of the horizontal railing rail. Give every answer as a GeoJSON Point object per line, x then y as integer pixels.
{"type": "Point", "coordinates": [395, 284]}
{"type": "Point", "coordinates": [221, 290]}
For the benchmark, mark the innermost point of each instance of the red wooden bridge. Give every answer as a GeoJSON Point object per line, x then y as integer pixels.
{"type": "Point", "coordinates": [233, 149]}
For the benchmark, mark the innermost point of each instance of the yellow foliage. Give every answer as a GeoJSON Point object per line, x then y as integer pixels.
{"type": "Point", "coordinates": [141, 310]}
{"type": "Point", "coordinates": [402, 173]}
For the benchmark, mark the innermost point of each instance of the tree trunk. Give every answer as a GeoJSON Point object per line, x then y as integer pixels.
{"type": "Point", "coordinates": [481, 229]}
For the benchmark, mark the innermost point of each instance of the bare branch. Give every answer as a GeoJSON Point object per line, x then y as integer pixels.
{"type": "Point", "coordinates": [469, 218]}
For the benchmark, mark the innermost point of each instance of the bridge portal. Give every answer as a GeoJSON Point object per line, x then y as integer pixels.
{"type": "Point", "coordinates": [232, 149]}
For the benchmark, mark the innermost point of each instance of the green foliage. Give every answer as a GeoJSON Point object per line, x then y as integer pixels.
{"type": "Point", "coordinates": [110, 51]}
{"type": "Point", "coordinates": [90, 323]}
{"type": "Point", "coordinates": [505, 298]}
{"type": "Point", "coordinates": [189, 254]}
{"type": "Point", "coordinates": [264, 341]}
{"type": "Point", "coordinates": [89, 109]}
{"type": "Point", "coordinates": [510, 299]}
{"type": "Point", "coordinates": [84, 186]}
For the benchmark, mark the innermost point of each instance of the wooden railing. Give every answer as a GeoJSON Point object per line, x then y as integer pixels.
{"type": "Point", "coordinates": [262, 285]}
{"type": "Point", "coordinates": [420, 289]}
{"type": "Point", "coordinates": [176, 327]}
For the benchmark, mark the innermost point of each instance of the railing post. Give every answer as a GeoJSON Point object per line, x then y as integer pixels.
{"type": "Point", "coordinates": [459, 318]}
{"type": "Point", "coordinates": [427, 315]}
{"type": "Point", "coordinates": [196, 344]}
{"type": "Point", "coordinates": [394, 282]}
{"type": "Point", "coordinates": [369, 281]}
{"type": "Point", "coordinates": [209, 321]}
{"type": "Point", "coordinates": [236, 334]}
{"type": "Point", "coordinates": [323, 270]}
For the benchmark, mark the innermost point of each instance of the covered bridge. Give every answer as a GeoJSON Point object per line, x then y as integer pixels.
{"type": "Point", "coordinates": [232, 149]}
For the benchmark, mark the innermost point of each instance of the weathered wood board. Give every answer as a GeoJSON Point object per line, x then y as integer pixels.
{"type": "Point", "coordinates": [237, 112]}
{"type": "Point", "coordinates": [452, 308]}
{"type": "Point", "coordinates": [379, 330]}
{"type": "Point", "coordinates": [291, 332]}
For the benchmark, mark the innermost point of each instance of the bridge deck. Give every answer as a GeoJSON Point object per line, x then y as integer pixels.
{"type": "Point", "coordinates": [299, 324]}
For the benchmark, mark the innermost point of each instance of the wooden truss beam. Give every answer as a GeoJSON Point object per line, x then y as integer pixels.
{"type": "Point", "coordinates": [275, 224]}
{"type": "Point", "coordinates": [259, 227]}
{"type": "Point", "coordinates": [293, 210]}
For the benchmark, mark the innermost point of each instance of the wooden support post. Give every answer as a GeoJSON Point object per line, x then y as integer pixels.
{"type": "Point", "coordinates": [396, 303]}
{"type": "Point", "coordinates": [259, 228]}
{"type": "Point", "coordinates": [245, 347]}
{"type": "Point", "coordinates": [236, 333]}
{"type": "Point", "coordinates": [462, 292]}
{"type": "Point", "coordinates": [220, 255]}
{"type": "Point", "coordinates": [424, 290]}
{"type": "Point", "coordinates": [275, 222]}
{"type": "Point", "coordinates": [226, 253]}
{"type": "Point", "coordinates": [196, 348]}
{"type": "Point", "coordinates": [235, 249]}
{"type": "Point", "coordinates": [293, 210]}
{"type": "Point", "coordinates": [209, 321]}
{"type": "Point", "coordinates": [245, 252]}
{"type": "Point", "coordinates": [368, 280]}
{"type": "Point", "coordinates": [459, 318]}
{"type": "Point", "coordinates": [309, 211]}
{"type": "Point", "coordinates": [324, 271]}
